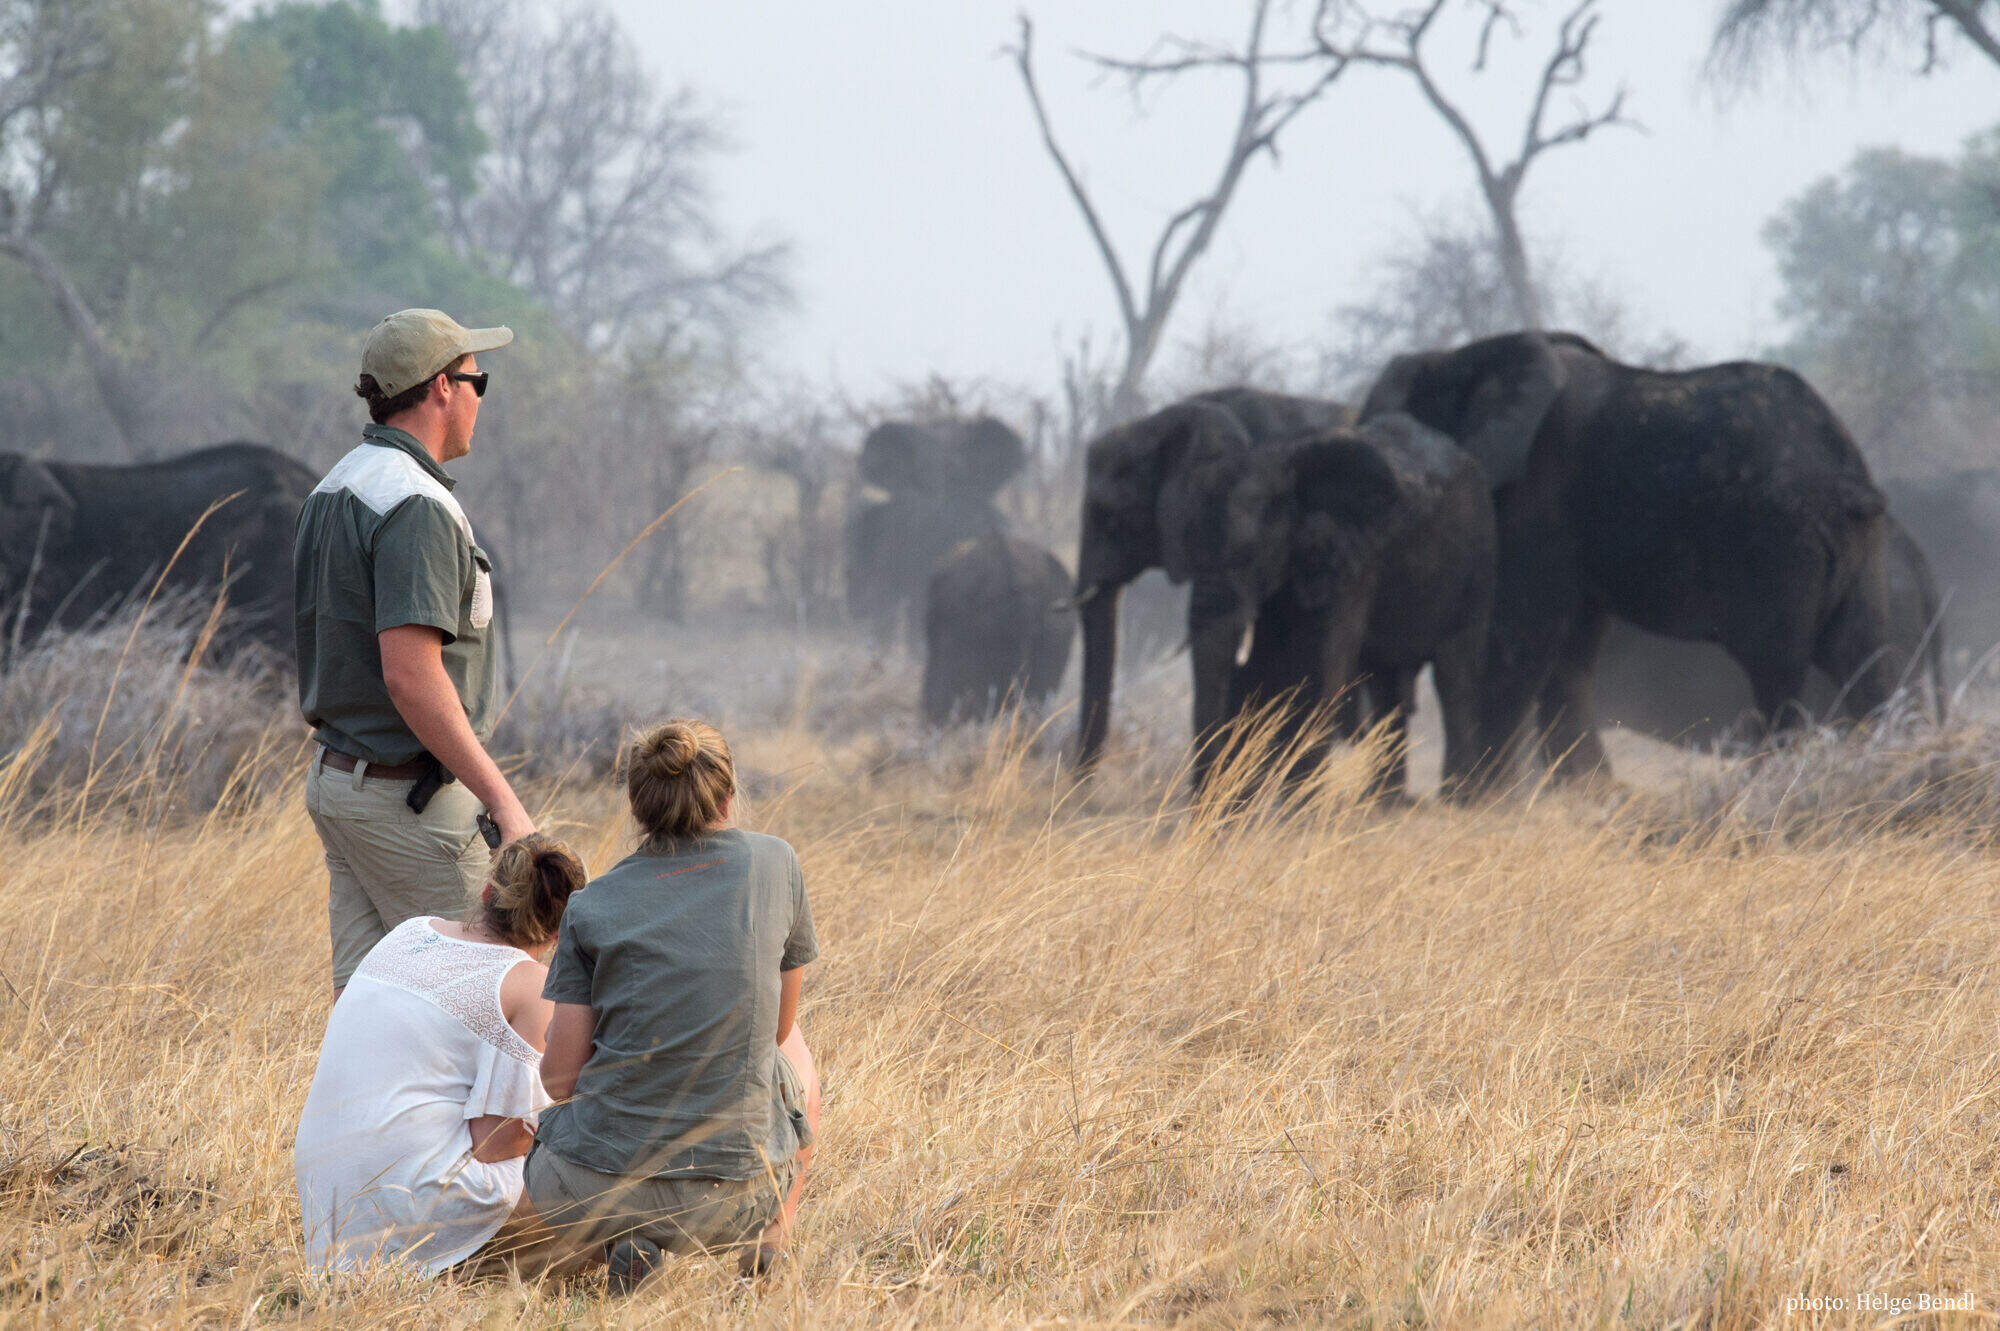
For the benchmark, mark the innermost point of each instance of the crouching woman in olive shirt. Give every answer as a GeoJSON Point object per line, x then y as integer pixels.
{"type": "Point", "coordinates": [690, 1099]}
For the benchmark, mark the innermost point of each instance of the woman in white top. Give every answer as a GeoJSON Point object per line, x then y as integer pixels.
{"type": "Point", "coordinates": [429, 1079]}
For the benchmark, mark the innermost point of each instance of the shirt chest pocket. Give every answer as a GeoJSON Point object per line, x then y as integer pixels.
{"type": "Point", "coordinates": [481, 612]}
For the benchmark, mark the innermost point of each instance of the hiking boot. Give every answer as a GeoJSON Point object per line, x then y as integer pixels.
{"type": "Point", "coordinates": [630, 1260]}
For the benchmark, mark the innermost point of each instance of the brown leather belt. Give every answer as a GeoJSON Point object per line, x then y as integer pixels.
{"type": "Point", "coordinates": [347, 762]}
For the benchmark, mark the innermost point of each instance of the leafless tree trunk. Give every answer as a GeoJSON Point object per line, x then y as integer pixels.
{"type": "Point", "coordinates": [1346, 32]}
{"type": "Point", "coordinates": [1261, 116]}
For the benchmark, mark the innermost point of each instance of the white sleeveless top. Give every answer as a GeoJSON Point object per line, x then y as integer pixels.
{"type": "Point", "coordinates": [416, 1046]}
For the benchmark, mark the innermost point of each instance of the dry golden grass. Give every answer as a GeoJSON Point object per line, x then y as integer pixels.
{"type": "Point", "coordinates": [1093, 1059]}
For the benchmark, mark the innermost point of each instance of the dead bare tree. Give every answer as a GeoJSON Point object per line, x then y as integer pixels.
{"type": "Point", "coordinates": [1346, 32]}
{"type": "Point", "coordinates": [1261, 116]}
{"type": "Point", "coordinates": [1748, 30]}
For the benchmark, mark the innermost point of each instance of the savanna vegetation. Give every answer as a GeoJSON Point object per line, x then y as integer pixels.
{"type": "Point", "coordinates": [1670, 1053]}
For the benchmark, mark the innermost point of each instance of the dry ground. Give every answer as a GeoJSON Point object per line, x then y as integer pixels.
{"type": "Point", "coordinates": [1094, 1059]}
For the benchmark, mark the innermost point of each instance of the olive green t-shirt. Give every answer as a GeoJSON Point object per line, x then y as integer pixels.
{"type": "Point", "coordinates": [382, 543]}
{"type": "Point", "coordinates": [677, 951]}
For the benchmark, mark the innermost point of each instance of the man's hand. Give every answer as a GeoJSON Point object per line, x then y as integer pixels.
{"type": "Point", "coordinates": [514, 824]}
{"type": "Point", "coordinates": [413, 670]}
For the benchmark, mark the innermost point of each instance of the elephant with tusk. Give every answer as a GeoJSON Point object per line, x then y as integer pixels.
{"type": "Point", "coordinates": [1360, 556]}
{"type": "Point", "coordinates": [1156, 494]}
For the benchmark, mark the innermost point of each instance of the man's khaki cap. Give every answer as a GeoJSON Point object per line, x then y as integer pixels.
{"type": "Point", "coordinates": [411, 346]}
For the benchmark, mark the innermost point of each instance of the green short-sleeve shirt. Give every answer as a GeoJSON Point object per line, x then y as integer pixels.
{"type": "Point", "coordinates": [677, 951]}
{"type": "Point", "coordinates": [382, 543]}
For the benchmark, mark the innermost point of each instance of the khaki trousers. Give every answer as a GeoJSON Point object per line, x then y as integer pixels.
{"type": "Point", "coordinates": [386, 864]}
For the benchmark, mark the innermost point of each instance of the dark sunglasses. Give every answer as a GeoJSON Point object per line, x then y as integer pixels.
{"type": "Point", "coordinates": [476, 378]}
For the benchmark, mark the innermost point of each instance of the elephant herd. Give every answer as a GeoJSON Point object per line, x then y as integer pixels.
{"type": "Point", "coordinates": [1562, 538]}
{"type": "Point", "coordinates": [1503, 512]}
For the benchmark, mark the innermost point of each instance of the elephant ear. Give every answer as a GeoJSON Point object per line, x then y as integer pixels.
{"type": "Point", "coordinates": [30, 488]}
{"type": "Point", "coordinates": [1504, 388]}
{"type": "Point", "coordinates": [1392, 388]}
{"type": "Point", "coordinates": [1348, 504]}
{"type": "Point", "coordinates": [898, 456]}
{"type": "Point", "coordinates": [1204, 452]}
{"type": "Point", "coordinates": [990, 455]}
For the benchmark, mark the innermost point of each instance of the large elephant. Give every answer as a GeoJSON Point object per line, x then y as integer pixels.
{"type": "Point", "coordinates": [1693, 693]}
{"type": "Point", "coordinates": [1724, 504]}
{"type": "Point", "coordinates": [1156, 494]}
{"type": "Point", "coordinates": [1364, 555]}
{"type": "Point", "coordinates": [997, 628]}
{"type": "Point", "coordinates": [937, 484]}
{"type": "Point", "coordinates": [76, 538]}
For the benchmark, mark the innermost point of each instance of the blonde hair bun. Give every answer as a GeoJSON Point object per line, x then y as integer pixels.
{"type": "Point", "coordinates": [679, 777]}
{"type": "Point", "coordinates": [532, 880]}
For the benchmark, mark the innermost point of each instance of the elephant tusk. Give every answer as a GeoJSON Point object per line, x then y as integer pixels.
{"type": "Point", "coordinates": [1081, 599]}
{"type": "Point", "coordinates": [1249, 640]}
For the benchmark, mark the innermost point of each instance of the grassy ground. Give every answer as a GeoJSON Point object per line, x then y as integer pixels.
{"type": "Point", "coordinates": [1093, 1059]}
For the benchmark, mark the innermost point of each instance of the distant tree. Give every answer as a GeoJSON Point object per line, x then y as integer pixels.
{"type": "Point", "coordinates": [1262, 114]}
{"type": "Point", "coordinates": [595, 198]}
{"type": "Point", "coordinates": [1749, 32]}
{"type": "Point", "coordinates": [1891, 275]}
{"type": "Point", "coordinates": [88, 92]}
{"type": "Point", "coordinates": [167, 176]}
{"type": "Point", "coordinates": [385, 118]}
{"type": "Point", "coordinates": [1441, 284]}
{"type": "Point", "coordinates": [1347, 32]}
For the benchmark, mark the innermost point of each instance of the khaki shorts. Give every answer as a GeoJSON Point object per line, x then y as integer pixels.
{"type": "Point", "coordinates": [683, 1215]}
{"type": "Point", "coordinates": [385, 864]}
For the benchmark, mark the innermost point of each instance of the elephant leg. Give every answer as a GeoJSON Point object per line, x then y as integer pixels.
{"type": "Point", "coordinates": [1776, 661]}
{"type": "Point", "coordinates": [1535, 602]}
{"type": "Point", "coordinates": [1218, 697]}
{"type": "Point", "coordinates": [1455, 670]}
{"type": "Point", "coordinates": [1396, 698]}
{"type": "Point", "coordinates": [1857, 651]}
{"type": "Point", "coordinates": [1568, 702]}
{"type": "Point", "coordinates": [936, 698]}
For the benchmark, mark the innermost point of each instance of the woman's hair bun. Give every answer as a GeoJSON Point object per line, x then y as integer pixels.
{"type": "Point", "coordinates": [678, 747]}
{"type": "Point", "coordinates": [679, 776]}
{"type": "Point", "coordinates": [532, 881]}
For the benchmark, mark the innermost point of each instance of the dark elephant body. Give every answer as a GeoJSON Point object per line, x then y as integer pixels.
{"type": "Point", "coordinates": [1724, 504]}
{"type": "Point", "coordinates": [1693, 693]}
{"type": "Point", "coordinates": [997, 628]}
{"type": "Point", "coordinates": [95, 535]}
{"type": "Point", "coordinates": [1156, 495]}
{"type": "Point", "coordinates": [935, 487]}
{"type": "Point", "coordinates": [1370, 554]}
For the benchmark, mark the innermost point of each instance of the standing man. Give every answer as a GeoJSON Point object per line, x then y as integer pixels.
{"type": "Point", "coordinates": [395, 645]}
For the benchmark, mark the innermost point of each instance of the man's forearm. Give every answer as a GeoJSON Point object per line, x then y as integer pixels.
{"type": "Point", "coordinates": [430, 708]}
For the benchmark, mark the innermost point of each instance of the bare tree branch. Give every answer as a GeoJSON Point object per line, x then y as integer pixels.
{"type": "Point", "coordinates": [1024, 54]}
{"type": "Point", "coordinates": [1347, 32]}
{"type": "Point", "coordinates": [1187, 234]}
{"type": "Point", "coordinates": [1750, 30]}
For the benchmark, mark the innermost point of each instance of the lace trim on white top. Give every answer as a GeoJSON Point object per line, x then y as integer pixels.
{"type": "Point", "coordinates": [461, 977]}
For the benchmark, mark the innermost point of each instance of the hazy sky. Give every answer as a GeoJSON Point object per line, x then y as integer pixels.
{"type": "Point", "coordinates": [891, 143]}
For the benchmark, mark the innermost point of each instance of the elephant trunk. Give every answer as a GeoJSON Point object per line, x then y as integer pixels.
{"type": "Point", "coordinates": [1100, 653]}
{"type": "Point", "coordinates": [1221, 632]}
